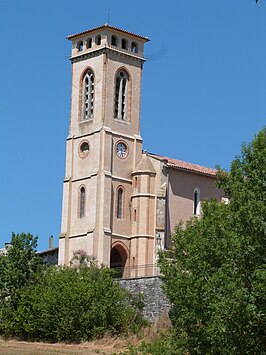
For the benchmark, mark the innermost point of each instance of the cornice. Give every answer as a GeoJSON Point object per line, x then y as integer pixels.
{"type": "Point", "coordinates": [120, 236]}
{"type": "Point", "coordinates": [149, 236]}
{"type": "Point", "coordinates": [143, 194]}
{"type": "Point", "coordinates": [94, 53]}
{"type": "Point", "coordinates": [119, 178]}
{"type": "Point", "coordinates": [108, 131]}
{"type": "Point", "coordinates": [94, 173]}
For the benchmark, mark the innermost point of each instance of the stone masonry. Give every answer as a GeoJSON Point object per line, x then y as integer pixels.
{"type": "Point", "coordinates": [156, 303]}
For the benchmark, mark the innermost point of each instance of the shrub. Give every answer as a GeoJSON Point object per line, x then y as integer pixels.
{"type": "Point", "coordinates": [71, 305]}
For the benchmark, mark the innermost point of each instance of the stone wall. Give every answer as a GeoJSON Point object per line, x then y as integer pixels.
{"type": "Point", "coordinates": [50, 256]}
{"type": "Point", "coordinates": [155, 300]}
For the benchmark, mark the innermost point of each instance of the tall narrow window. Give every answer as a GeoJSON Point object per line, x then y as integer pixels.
{"type": "Point", "coordinates": [89, 43]}
{"type": "Point", "coordinates": [98, 40]}
{"type": "Point", "coordinates": [114, 41]}
{"type": "Point", "coordinates": [196, 204]}
{"type": "Point", "coordinates": [134, 47]}
{"type": "Point", "coordinates": [119, 207]}
{"type": "Point", "coordinates": [88, 96]}
{"type": "Point", "coordinates": [121, 93]}
{"type": "Point", "coordinates": [82, 202]}
{"type": "Point", "coordinates": [124, 43]}
{"type": "Point", "coordinates": [80, 46]}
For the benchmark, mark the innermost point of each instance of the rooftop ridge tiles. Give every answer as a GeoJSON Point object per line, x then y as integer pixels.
{"type": "Point", "coordinates": [106, 25]}
{"type": "Point", "coordinates": [180, 164]}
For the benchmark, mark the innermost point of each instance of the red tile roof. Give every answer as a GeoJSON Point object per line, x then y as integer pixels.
{"type": "Point", "coordinates": [107, 26]}
{"type": "Point", "coordinates": [183, 165]}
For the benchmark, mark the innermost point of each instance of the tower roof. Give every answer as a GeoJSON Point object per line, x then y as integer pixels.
{"type": "Point", "coordinates": [107, 26]}
{"type": "Point", "coordinates": [145, 165]}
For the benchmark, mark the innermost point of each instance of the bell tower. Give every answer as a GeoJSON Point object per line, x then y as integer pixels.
{"type": "Point", "coordinates": [104, 145]}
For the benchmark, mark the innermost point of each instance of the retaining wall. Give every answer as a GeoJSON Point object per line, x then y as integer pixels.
{"type": "Point", "coordinates": [156, 303]}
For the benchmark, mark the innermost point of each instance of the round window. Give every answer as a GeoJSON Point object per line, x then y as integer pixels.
{"type": "Point", "coordinates": [84, 149]}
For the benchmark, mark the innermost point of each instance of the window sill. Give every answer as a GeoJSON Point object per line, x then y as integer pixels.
{"type": "Point", "coordinates": [121, 121]}
{"type": "Point", "coordinates": [87, 120]}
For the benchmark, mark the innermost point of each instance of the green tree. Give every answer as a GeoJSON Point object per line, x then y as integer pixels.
{"type": "Point", "coordinates": [215, 272]}
{"type": "Point", "coordinates": [18, 269]}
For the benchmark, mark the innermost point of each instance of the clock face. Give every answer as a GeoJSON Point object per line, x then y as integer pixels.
{"type": "Point", "coordinates": [121, 150]}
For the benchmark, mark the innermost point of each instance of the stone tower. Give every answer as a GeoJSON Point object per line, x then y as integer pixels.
{"type": "Point", "coordinates": [104, 164]}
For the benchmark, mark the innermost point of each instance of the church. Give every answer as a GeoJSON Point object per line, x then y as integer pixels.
{"type": "Point", "coordinates": [120, 203]}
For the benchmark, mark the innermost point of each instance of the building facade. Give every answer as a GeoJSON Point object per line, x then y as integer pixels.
{"type": "Point", "coordinates": [119, 203]}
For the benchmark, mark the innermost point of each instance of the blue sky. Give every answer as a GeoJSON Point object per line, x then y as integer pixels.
{"type": "Point", "coordinates": [203, 90]}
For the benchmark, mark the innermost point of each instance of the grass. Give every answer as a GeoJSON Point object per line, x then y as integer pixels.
{"type": "Point", "coordinates": [104, 346]}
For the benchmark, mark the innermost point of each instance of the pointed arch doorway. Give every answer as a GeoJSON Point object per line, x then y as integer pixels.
{"type": "Point", "coordinates": [118, 260]}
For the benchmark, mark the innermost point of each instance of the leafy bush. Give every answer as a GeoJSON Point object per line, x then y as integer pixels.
{"type": "Point", "coordinates": [71, 305]}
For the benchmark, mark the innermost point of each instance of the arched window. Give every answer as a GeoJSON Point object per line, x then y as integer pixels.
{"type": "Point", "coordinates": [98, 40]}
{"type": "Point", "coordinates": [196, 202]}
{"type": "Point", "coordinates": [114, 40]}
{"type": "Point", "coordinates": [84, 149]}
{"type": "Point", "coordinates": [82, 202]}
{"type": "Point", "coordinates": [80, 46]}
{"type": "Point", "coordinates": [88, 95]}
{"type": "Point", "coordinates": [89, 43]}
{"type": "Point", "coordinates": [121, 93]}
{"type": "Point", "coordinates": [119, 203]}
{"type": "Point", "coordinates": [124, 43]}
{"type": "Point", "coordinates": [134, 47]}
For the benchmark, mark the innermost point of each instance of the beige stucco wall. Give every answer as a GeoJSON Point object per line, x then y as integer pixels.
{"type": "Point", "coordinates": [101, 171]}
{"type": "Point", "coordinates": [181, 191]}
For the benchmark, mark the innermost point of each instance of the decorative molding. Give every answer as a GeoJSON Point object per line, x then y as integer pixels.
{"type": "Point", "coordinates": [87, 177]}
{"type": "Point", "coordinates": [121, 236]}
{"type": "Point", "coordinates": [107, 230]}
{"type": "Point", "coordinates": [118, 178]}
{"type": "Point", "coordinates": [149, 236]}
{"type": "Point", "coordinates": [126, 136]}
{"type": "Point", "coordinates": [137, 137]}
{"type": "Point", "coordinates": [107, 130]}
{"type": "Point", "coordinates": [143, 195]}
{"type": "Point", "coordinates": [77, 236]}
{"type": "Point", "coordinates": [95, 52]}
{"type": "Point", "coordinates": [107, 173]}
